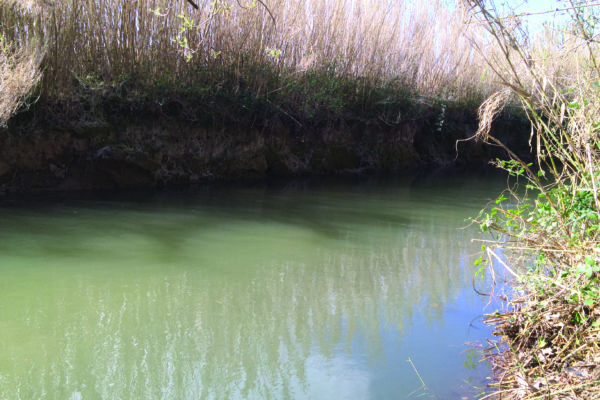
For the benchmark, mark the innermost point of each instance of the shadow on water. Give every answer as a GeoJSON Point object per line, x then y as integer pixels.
{"type": "Point", "coordinates": [312, 288]}
{"type": "Point", "coordinates": [314, 203]}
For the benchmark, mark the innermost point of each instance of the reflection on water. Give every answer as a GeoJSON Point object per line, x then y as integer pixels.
{"type": "Point", "coordinates": [303, 290]}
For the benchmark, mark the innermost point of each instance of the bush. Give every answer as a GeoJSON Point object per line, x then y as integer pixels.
{"type": "Point", "coordinates": [548, 235]}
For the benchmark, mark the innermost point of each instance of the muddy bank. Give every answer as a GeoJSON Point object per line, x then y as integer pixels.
{"type": "Point", "coordinates": [163, 151]}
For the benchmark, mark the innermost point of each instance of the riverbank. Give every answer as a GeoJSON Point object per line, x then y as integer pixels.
{"type": "Point", "coordinates": [138, 94]}
{"type": "Point", "coordinates": [145, 150]}
{"type": "Point", "coordinates": [545, 238]}
{"type": "Point", "coordinates": [545, 234]}
{"type": "Point", "coordinates": [229, 91]}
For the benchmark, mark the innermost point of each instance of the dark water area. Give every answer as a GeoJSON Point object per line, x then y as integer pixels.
{"type": "Point", "coordinates": [337, 288]}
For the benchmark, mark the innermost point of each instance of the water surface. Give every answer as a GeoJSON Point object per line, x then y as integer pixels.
{"type": "Point", "coordinates": [311, 289]}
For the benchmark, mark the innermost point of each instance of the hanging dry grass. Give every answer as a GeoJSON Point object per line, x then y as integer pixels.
{"type": "Point", "coordinates": [19, 65]}
{"type": "Point", "coordinates": [19, 72]}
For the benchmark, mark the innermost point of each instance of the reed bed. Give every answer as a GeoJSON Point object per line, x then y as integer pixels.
{"type": "Point", "coordinates": [296, 57]}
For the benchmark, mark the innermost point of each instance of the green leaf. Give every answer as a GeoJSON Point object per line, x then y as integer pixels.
{"type": "Point", "coordinates": [589, 261]}
{"type": "Point", "coordinates": [588, 302]}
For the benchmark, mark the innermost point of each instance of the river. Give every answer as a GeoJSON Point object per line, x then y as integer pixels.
{"type": "Point", "coordinates": [338, 288]}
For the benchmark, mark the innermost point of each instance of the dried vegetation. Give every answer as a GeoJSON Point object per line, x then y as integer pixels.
{"type": "Point", "coordinates": [547, 231]}
{"type": "Point", "coordinates": [19, 67]}
{"type": "Point", "coordinates": [303, 61]}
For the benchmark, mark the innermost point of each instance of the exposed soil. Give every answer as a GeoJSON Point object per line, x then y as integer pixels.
{"type": "Point", "coordinates": [143, 153]}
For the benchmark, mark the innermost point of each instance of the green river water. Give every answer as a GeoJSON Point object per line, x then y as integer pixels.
{"type": "Point", "coordinates": [306, 289]}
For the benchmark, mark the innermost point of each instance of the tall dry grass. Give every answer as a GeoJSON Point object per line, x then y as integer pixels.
{"type": "Point", "coordinates": [19, 64]}
{"type": "Point", "coordinates": [421, 46]}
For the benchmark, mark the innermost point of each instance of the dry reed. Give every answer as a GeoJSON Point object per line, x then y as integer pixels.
{"type": "Point", "coordinates": [102, 45]}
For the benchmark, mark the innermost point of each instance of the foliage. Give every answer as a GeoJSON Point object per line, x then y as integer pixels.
{"type": "Point", "coordinates": [549, 233]}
